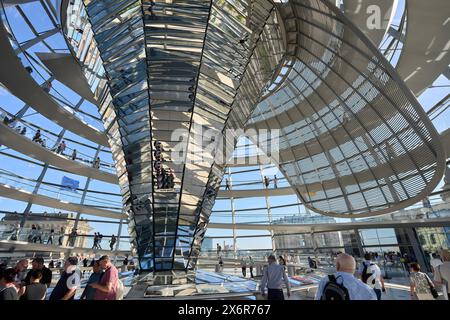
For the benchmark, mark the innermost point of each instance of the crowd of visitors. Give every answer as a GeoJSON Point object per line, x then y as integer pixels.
{"type": "Point", "coordinates": [33, 284]}
{"type": "Point", "coordinates": [97, 240]}
{"type": "Point", "coordinates": [165, 178]}
{"type": "Point", "coordinates": [35, 234]}
{"type": "Point", "coordinates": [60, 148]}
{"type": "Point", "coordinates": [369, 285]}
{"type": "Point", "coordinates": [19, 282]}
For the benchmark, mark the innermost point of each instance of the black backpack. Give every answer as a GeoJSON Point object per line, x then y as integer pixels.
{"type": "Point", "coordinates": [364, 275]}
{"type": "Point", "coordinates": [334, 290]}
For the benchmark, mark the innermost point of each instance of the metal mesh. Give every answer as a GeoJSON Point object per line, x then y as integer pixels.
{"type": "Point", "coordinates": [354, 139]}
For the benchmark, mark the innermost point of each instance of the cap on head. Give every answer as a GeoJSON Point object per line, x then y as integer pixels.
{"type": "Point", "coordinates": [271, 258]}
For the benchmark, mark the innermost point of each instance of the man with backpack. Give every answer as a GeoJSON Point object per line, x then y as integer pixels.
{"type": "Point", "coordinates": [343, 285]}
{"type": "Point", "coordinates": [273, 277]}
{"type": "Point", "coordinates": [371, 275]}
{"type": "Point", "coordinates": [69, 282]}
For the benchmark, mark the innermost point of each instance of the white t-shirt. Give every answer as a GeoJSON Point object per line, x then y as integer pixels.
{"type": "Point", "coordinates": [435, 262]}
{"type": "Point", "coordinates": [374, 269]}
{"type": "Point", "coordinates": [442, 275]}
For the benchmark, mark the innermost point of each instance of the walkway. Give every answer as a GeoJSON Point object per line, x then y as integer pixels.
{"type": "Point", "coordinates": [262, 159]}
{"type": "Point", "coordinates": [23, 86]}
{"type": "Point", "coordinates": [425, 53]}
{"type": "Point", "coordinates": [249, 193]}
{"type": "Point", "coordinates": [14, 140]}
{"type": "Point", "coordinates": [18, 246]}
{"type": "Point", "coordinates": [26, 196]}
{"type": "Point", "coordinates": [329, 227]}
{"type": "Point", "coordinates": [67, 70]}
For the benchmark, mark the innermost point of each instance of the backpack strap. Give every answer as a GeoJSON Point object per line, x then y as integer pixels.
{"type": "Point", "coordinates": [331, 278]}
{"type": "Point", "coordinates": [428, 279]}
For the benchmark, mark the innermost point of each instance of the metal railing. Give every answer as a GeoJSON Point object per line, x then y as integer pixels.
{"type": "Point", "coordinates": [61, 239]}
{"type": "Point", "coordinates": [36, 66]}
{"type": "Point", "coordinates": [57, 191]}
{"type": "Point", "coordinates": [51, 141]}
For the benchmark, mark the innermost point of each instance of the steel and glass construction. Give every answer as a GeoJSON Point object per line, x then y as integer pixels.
{"type": "Point", "coordinates": [354, 140]}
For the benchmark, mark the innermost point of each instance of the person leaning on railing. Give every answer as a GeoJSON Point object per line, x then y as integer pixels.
{"type": "Point", "coordinates": [74, 154]}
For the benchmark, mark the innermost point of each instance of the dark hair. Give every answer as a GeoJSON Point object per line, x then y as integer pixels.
{"type": "Point", "coordinates": [38, 260]}
{"type": "Point", "coordinates": [105, 257]}
{"type": "Point", "coordinates": [73, 260]}
{"type": "Point", "coordinates": [415, 266]}
{"type": "Point", "coordinates": [36, 274]}
{"type": "Point", "coordinates": [368, 256]}
{"type": "Point", "coordinates": [8, 275]}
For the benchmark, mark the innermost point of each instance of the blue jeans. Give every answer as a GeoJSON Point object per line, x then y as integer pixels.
{"type": "Point", "coordinates": [378, 293]}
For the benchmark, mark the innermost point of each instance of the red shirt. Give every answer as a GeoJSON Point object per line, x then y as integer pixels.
{"type": "Point", "coordinates": [111, 275]}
